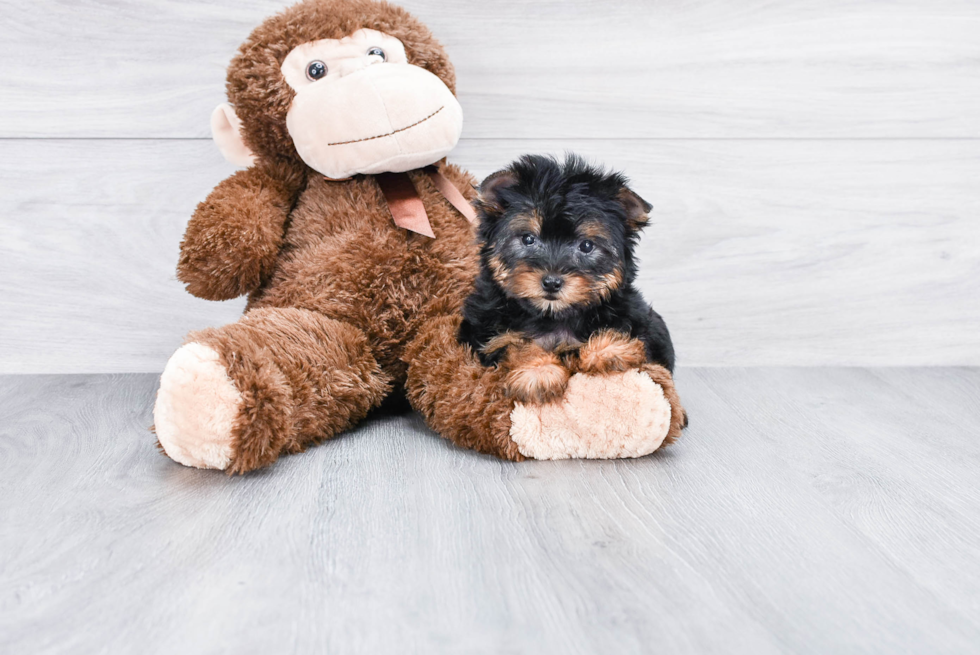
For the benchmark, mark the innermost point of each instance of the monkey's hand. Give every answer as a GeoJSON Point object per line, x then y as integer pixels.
{"type": "Point", "coordinates": [233, 238]}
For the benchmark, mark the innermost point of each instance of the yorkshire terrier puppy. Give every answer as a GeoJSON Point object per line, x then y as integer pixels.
{"type": "Point", "coordinates": [555, 291]}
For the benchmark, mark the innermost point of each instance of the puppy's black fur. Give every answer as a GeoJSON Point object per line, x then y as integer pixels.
{"type": "Point", "coordinates": [557, 261]}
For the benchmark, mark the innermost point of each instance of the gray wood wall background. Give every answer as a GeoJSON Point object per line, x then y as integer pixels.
{"type": "Point", "coordinates": [814, 165]}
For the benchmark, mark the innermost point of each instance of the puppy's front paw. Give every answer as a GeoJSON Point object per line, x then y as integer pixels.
{"type": "Point", "coordinates": [609, 351]}
{"type": "Point", "coordinates": [535, 375]}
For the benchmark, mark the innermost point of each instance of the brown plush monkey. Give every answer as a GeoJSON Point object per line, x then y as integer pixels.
{"type": "Point", "coordinates": [343, 111]}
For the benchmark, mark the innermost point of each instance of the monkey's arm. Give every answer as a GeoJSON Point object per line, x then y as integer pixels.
{"type": "Point", "coordinates": [234, 236]}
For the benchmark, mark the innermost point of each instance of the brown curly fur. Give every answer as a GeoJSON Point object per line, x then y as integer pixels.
{"type": "Point", "coordinates": [232, 244]}
{"type": "Point", "coordinates": [459, 397]}
{"type": "Point", "coordinates": [343, 305]}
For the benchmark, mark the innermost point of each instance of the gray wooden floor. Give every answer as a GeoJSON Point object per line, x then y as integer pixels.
{"type": "Point", "coordinates": [805, 511]}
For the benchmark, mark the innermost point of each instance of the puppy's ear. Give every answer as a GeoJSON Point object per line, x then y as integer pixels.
{"type": "Point", "coordinates": [491, 190]}
{"type": "Point", "coordinates": [637, 209]}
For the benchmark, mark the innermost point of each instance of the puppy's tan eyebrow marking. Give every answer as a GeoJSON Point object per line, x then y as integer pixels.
{"type": "Point", "coordinates": [593, 230]}
{"type": "Point", "coordinates": [528, 222]}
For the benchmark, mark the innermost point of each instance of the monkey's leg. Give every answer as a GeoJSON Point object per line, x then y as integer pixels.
{"type": "Point", "coordinates": [603, 414]}
{"type": "Point", "coordinates": [678, 415]}
{"type": "Point", "coordinates": [459, 398]}
{"type": "Point", "coordinates": [609, 352]}
{"type": "Point", "coordinates": [277, 381]}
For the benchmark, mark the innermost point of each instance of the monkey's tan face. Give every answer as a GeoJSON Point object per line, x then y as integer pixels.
{"type": "Point", "coordinates": [360, 107]}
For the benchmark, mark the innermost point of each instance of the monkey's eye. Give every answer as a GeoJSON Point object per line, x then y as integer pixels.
{"type": "Point", "coordinates": [586, 246]}
{"type": "Point", "coordinates": [316, 70]}
{"type": "Point", "coordinates": [377, 52]}
{"type": "Point", "coordinates": [527, 239]}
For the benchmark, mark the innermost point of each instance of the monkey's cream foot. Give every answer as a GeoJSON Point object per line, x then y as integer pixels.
{"type": "Point", "coordinates": [600, 417]}
{"type": "Point", "coordinates": [196, 408]}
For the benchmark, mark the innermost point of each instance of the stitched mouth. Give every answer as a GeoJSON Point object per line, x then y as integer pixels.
{"type": "Point", "coordinates": [381, 136]}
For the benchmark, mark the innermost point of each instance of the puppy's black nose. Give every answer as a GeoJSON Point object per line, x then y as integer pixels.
{"type": "Point", "coordinates": [552, 283]}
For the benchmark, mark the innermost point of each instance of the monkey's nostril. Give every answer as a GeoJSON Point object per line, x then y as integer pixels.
{"type": "Point", "coordinates": [552, 283]}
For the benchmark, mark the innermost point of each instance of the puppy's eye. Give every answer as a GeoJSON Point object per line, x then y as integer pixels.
{"type": "Point", "coordinates": [316, 70]}
{"type": "Point", "coordinates": [527, 239]}
{"type": "Point", "coordinates": [586, 246]}
{"type": "Point", "coordinates": [377, 52]}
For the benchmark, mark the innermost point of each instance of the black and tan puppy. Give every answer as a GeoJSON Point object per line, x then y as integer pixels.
{"type": "Point", "coordinates": [555, 292]}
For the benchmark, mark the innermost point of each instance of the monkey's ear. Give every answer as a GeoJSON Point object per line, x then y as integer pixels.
{"type": "Point", "coordinates": [490, 199]}
{"type": "Point", "coordinates": [637, 209]}
{"type": "Point", "coordinates": [226, 130]}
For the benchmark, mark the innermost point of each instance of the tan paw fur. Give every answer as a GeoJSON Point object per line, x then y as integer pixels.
{"type": "Point", "coordinates": [535, 376]}
{"type": "Point", "coordinates": [600, 417]}
{"type": "Point", "coordinates": [609, 351]}
{"type": "Point", "coordinates": [196, 408]}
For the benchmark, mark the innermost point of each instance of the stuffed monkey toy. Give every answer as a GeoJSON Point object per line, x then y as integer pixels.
{"type": "Point", "coordinates": [353, 239]}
